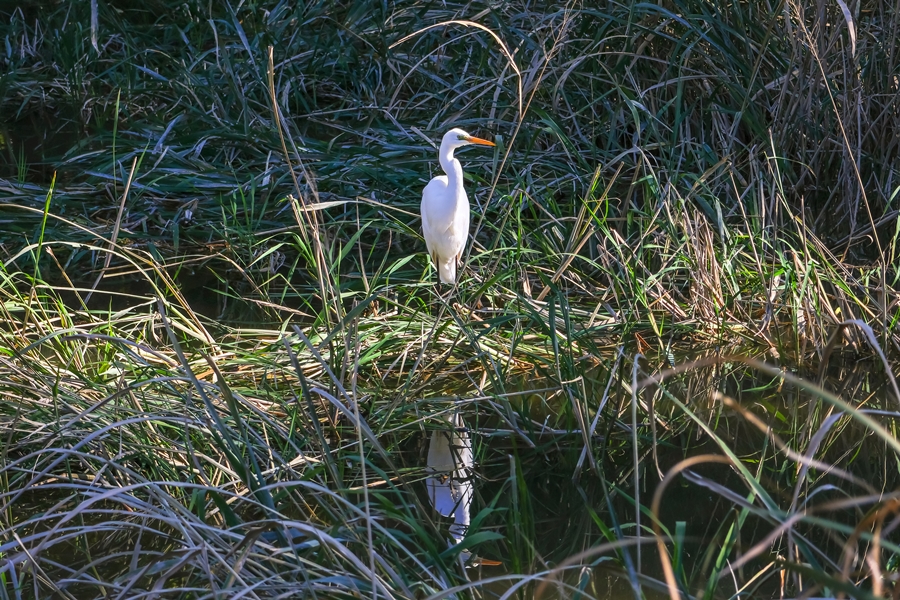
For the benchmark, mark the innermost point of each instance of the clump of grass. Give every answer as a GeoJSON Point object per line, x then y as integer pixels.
{"type": "Point", "coordinates": [135, 466]}
{"type": "Point", "coordinates": [142, 459]}
{"type": "Point", "coordinates": [240, 403]}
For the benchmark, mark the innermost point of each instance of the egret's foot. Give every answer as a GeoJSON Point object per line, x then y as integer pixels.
{"type": "Point", "coordinates": [444, 290]}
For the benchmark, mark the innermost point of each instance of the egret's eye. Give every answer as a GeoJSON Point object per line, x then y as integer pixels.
{"type": "Point", "coordinates": [461, 137]}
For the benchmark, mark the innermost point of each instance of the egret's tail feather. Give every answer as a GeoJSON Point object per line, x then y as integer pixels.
{"type": "Point", "coordinates": [447, 270]}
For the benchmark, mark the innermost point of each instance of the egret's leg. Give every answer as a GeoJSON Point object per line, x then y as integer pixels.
{"type": "Point", "coordinates": [459, 265]}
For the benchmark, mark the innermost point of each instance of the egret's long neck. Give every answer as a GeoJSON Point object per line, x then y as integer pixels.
{"type": "Point", "coordinates": [452, 168]}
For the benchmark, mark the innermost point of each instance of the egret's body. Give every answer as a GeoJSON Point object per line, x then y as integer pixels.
{"type": "Point", "coordinates": [450, 475]}
{"type": "Point", "coordinates": [445, 207]}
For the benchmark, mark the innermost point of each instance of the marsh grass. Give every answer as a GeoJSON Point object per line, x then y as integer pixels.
{"type": "Point", "coordinates": [223, 352]}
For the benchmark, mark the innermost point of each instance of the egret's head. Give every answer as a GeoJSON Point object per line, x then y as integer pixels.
{"type": "Point", "coordinates": [455, 138]}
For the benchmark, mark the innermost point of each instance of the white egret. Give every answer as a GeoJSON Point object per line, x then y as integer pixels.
{"type": "Point", "coordinates": [449, 483]}
{"type": "Point", "coordinates": [450, 475]}
{"type": "Point", "coordinates": [445, 207]}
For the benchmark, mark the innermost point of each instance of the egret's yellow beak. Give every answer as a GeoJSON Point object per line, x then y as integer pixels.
{"type": "Point", "coordinates": [477, 561]}
{"type": "Point", "coordinates": [479, 141]}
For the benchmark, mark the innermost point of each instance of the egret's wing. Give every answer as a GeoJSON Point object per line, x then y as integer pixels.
{"type": "Point", "coordinates": [430, 210]}
{"type": "Point", "coordinates": [461, 227]}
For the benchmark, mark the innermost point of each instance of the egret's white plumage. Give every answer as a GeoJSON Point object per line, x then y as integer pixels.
{"type": "Point", "coordinates": [450, 475]}
{"type": "Point", "coordinates": [445, 207]}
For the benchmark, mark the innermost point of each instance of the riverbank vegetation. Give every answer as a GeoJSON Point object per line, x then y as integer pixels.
{"type": "Point", "coordinates": [672, 345]}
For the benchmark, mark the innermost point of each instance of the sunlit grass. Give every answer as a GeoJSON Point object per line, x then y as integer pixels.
{"type": "Point", "coordinates": [223, 353]}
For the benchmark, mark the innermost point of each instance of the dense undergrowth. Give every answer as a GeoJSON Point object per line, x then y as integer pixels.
{"type": "Point", "coordinates": [222, 344]}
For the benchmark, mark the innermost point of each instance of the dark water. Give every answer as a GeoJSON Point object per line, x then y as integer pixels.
{"type": "Point", "coordinates": [34, 144]}
{"type": "Point", "coordinates": [548, 509]}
